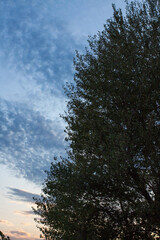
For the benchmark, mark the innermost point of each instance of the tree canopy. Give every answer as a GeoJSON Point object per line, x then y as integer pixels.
{"type": "Point", "coordinates": [109, 186]}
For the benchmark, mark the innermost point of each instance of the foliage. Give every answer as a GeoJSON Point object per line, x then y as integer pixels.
{"type": "Point", "coordinates": [3, 236]}
{"type": "Point", "coordinates": [109, 187]}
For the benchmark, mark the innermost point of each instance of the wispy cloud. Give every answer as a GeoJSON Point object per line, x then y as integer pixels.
{"type": "Point", "coordinates": [24, 213]}
{"type": "Point", "coordinates": [26, 224]}
{"type": "Point", "coordinates": [28, 141]}
{"type": "Point", "coordinates": [21, 195]}
{"type": "Point", "coordinates": [5, 222]}
{"type": "Point", "coordinates": [37, 44]}
{"type": "Point", "coordinates": [38, 40]}
{"type": "Point", "coordinates": [36, 52]}
{"type": "Point", "coordinates": [20, 233]}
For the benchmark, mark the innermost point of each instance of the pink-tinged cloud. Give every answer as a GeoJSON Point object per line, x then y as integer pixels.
{"type": "Point", "coordinates": [24, 213]}
{"type": "Point", "coordinates": [5, 222]}
{"type": "Point", "coordinates": [23, 238]}
{"type": "Point", "coordinates": [20, 233]}
{"type": "Point", "coordinates": [16, 238]}
{"type": "Point", "coordinates": [26, 224]}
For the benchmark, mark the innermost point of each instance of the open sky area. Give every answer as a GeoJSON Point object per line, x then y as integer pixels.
{"type": "Point", "coordinates": [38, 40]}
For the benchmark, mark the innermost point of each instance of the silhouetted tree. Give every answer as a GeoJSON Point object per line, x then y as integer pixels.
{"type": "Point", "coordinates": [109, 187]}
{"type": "Point", "coordinates": [2, 236]}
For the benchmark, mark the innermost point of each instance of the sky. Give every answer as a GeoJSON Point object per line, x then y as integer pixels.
{"type": "Point", "coordinates": [38, 40]}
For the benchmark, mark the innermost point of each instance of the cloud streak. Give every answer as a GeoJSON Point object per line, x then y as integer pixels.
{"type": "Point", "coordinates": [5, 222]}
{"type": "Point", "coordinates": [19, 233]}
{"type": "Point", "coordinates": [21, 195]}
{"type": "Point", "coordinates": [25, 213]}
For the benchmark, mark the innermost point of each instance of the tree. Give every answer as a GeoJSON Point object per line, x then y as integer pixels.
{"type": "Point", "coordinates": [3, 236]}
{"type": "Point", "coordinates": [113, 129]}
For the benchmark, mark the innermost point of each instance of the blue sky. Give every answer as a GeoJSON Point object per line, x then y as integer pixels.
{"type": "Point", "coordinates": [38, 40]}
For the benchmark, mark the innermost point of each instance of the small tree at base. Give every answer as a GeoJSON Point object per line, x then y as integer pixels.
{"type": "Point", "coordinates": [2, 236]}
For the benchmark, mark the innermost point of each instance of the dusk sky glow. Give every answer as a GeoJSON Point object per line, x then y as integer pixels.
{"type": "Point", "coordinates": [38, 40]}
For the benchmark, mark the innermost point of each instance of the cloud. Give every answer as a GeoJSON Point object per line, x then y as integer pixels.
{"type": "Point", "coordinates": [21, 195]}
{"type": "Point", "coordinates": [36, 52]}
{"type": "Point", "coordinates": [19, 233]}
{"type": "Point", "coordinates": [5, 222]}
{"type": "Point", "coordinates": [37, 41]}
{"type": "Point", "coordinates": [23, 237]}
{"type": "Point", "coordinates": [26, 224]}
{"type": "Point", "coordinates": [24, 213]}
{"type": "Point", "coordinates": [28, 141]}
